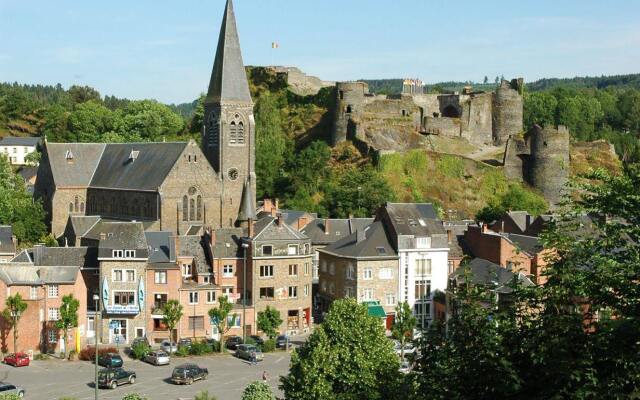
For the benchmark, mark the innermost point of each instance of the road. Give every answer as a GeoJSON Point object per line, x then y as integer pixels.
{"type": "Point", "coordinates": [228, 376]}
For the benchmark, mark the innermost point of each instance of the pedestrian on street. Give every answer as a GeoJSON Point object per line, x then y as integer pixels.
{"type": "Point", "coordinates": [265, 376]}
{"type": "Point", "coordinates": [254, 359]}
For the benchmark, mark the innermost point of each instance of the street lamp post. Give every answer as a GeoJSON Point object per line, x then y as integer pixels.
{"type": "Point", "coordinates": [15, 314]}
{"type": "Point", "coordinates": [245, 245]}
{"type": "Point", "coordinates": [96, 299]}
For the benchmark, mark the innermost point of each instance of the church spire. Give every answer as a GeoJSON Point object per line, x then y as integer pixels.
{"type": "Point", "coordinates": [247, 208]}
{"type": "Point", "coordinates": [228, 78]}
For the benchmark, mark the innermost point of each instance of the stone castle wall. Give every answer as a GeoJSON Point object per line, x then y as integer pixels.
{"type": "Point", "coordinates": [548, 168]}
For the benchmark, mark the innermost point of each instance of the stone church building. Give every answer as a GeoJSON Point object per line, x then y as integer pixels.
{"type": "Point", "coordinates": [177, 187]}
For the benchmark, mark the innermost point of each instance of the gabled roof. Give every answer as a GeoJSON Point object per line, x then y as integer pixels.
{"type": "Point", "coordinates": [73, 164]}
{"type": "Point", "coordinates": [20, 141]}
{"type": "Point", "coordinates": [484, 272]}
{"type": "Point", "coordinates": [81, 224]}
{"type": "Point", "coordinates": [83, 257]}
{"type": "Point", "coordinates": [319, 233]}
{"type": "Point", "coordinates": [119, 236]}
{"type": "Point", "coordinates": [198, 248]}
{"type": "Point", "coordinates": [159, 244]}
{"type": "Point", "coordinates": [530, 244]}
{"type": "Point", "coordinates": [228, 77]}
{"type": "Point", "coordinates": [28, 172]}
{"type": "Point", "coordinates": [267, 228]}
{"type": "Point", "coordinates": [519, 218]}
{"type": "Point", "coordinates": [146, 171]}
{"type": "Point", "coordinates": [7, 245]}
{"type": "Point", "coordinates": [29, 274]}
{"type": "Point", "coordinates": [228, 243]}
{"type": "Point", "coordinates": [418, 219]}
{"type": "Point", "coordinates": [372, 242]}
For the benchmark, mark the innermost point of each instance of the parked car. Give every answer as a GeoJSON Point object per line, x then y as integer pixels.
{"type": "Point", "coordinates": [245, 351]}
{"type": "Point", "coordinates": [113, 377]}
{"type": "Point", "coordinates": [157, 358]}
{"type": "Point", "coordinates": [259, 341]}
{"type": "Point", "coordinates": [7, 388]}
{"type": "Point", "coordinates": [17, 359]}
{"type": "Point", "coordinates": [169, 347]}
{"type": "Point", "coordinates": [110, 360]}
{"type": "Point", "coordinates": [281, 341]}
{"type": "Point", "coordinates": [232, 342]}
{"type": "Point", "coordinates": [185, 343]}
{"type": "Point", "coordinates": [188, 373]}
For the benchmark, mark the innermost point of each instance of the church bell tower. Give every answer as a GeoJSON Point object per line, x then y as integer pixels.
{"type": "Point", "coordinates": [228, 134]}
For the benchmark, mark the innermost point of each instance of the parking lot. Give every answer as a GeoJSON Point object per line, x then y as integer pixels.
{"type": "Point", "coordinates": [228, 376]}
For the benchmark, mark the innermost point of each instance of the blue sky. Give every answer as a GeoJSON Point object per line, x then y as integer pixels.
{"type": "Point", "coordinates": [165, 49]}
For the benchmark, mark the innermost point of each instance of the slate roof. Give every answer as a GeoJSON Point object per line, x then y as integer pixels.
{"type": "Point", "coordinates": [519, 218]}
{"type": "Point", "coordinates": [228, 243]}
{"type": "Point", "coordinates": [81, 224]}
{"type": "Point", "coordinates": [529, 244]}
{"type": "Point", "coordinates": [147, 172]}
{"type": "Point", "coordinates": [198, 248]}
{"type": "Point", "coordinates": [119, 236]}
{"type": "Point", "coordinates": [418, 219]}
{"type": "Point", "coordinates": [247, 203]}
{"type": "Point", "coordinates": [28, 274]}
{"type": "Point", "coordinates": [338, 229]}
{"type": "Point", "coordinates": [374, 243]}
{"type": "Point", "coordinates": [6, 240]}
{"type": "Point", "coordinates": [22, 257]}
{"type": "Point", "coordinates": [84, 257]}
{"type": "Point", "coordinates": [28, 172]}
{"type": "Point", "coordinates": [484, 272]}
{"type": "Point", "coordinates": [228, 77]}
{"type": "Point", "coordinates": [159, 244]}
{"type": "Point", "coordinates": [266, 228]}
{"type": "Point", "coordinates": [76, 171]}
{"type": "Point", "coordinates": [20, 141]}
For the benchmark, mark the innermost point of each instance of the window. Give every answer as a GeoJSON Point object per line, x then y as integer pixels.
{"type": "Point", "coordinates": [54, 314]}
{"type": "Point", "coordinates": [130, 254]}
{"type": "Point", "coordinates": [227, 271]}
{"type": "Point", "coordinates": [185, 208]}
{"type": "Point", "coordinates": [131, 275]}
{"type": "Point", "coordinates": [227, 290]}
{"type": "Point", "coordinates": [193, 297]}
{"type": "Point", "coordinates": [117, 254]}
{"type": "Point", "coordinates": [348, 292]}
{"type": "Point", "coordinates": [422, 312]}
{"type": "Point", "coordinates": [391, 299]}
{"type": "Point", "coordinates": [211, 296]}
{"type": "Point", "coordinates": [306, 290]}
{"type": "Point", "coordinates": [332, 288]}
{"type": "Point", "coordinates": [306, 268]}
{"type": "Point", "coordinates": [332, 269]}
{"type": "Point", "coordinates": [367, 273]}
{"type": "Point", "coordinates": [53, 291]}
{"type": "Point", "coordinates": [293, 269]}
{"type": "Point", "coordinates": [267, 250]}
{"type": "Point", "coordinates": [186, 270]}
{"type": "Point", "coordinates": [52, 336]}
{"type": "Point", "coordinates": [423, 267]}
{"type": "Point", "coordinates": [266, 271]}
{"type": "Point", "coordinates": [91, 324]}
{"type": "Point", "coordinates": [323, 266]}
{"type": "Point", "coordinates": [423, 242]}
{"type": "Point", "coordinates": [196, 322]}
{"type": "Point", "coordinates": [33, 293]}
{"type": "Point", "coordinates": [266, 293]}
{"type": "Point", "coordinates": [386, 273]}
{"type": "Point", "coordinates": [293, 250]}
{"type": "Point", "coordinates": [351, 272]}
{"type": "Point", "coordinates": [117, 275]}
{"type": "Point", "coordinates": [206, 279]}
{"type": "Point", "coordinates": [127, 298]}
{"type": "Point", "coordinates": [161, 277]}
{"type": "Point", "coordinates": [192, 205]}
{"type": "Point", "coordinates": [422, 289]}
{"type": "Point", "coordinates": [367, 294]}
{"type": "Point", "coordinates": [293, 291]}
{"type": "Point", "coordinates": [234, 320]}
{"type": "Point", "coordinates": [214, 128]}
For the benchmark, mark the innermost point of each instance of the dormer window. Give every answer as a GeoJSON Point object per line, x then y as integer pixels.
{"type": "Point", "coordinates": [267, 250]}
{"type": "Point", "coordinates": [68, 155]}
{"type": "Point", "coordinates": [117, 253]}
{"type": "Point", "coordinates": [134, 155]}
{"type": "Point", "coordinates": [423, 242]}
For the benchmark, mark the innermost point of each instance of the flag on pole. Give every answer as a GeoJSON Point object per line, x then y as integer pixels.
{"type": "Point", "coordinates": [274, 45]}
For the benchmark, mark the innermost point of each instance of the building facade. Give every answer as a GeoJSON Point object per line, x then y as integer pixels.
{"type": "Point", "coordinates": [16, 149]}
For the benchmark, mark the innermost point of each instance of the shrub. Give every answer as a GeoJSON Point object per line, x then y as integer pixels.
{"type": "Point", "coordinates": [182, 351]}
{"type": "Point", "coordinates": [258, 391]}
{"type": "Point", "coordinates": [269, 345]}
{"type": "Point", "coordinates": [139, 350]}
{"type": "Point", "coordinates": [204, 395]}
{"type": "Point", "coordinates": [73, 355]}
{"type": "Point", "coordinates": [41, 356]}
{"type": "Point", "coordinates": [133, 396]}
{"type": "Point", "coordinates": [199, 348]}
{"type": "Point", "coordinates": [89, 352]}
{"type": "Point", "coordinates": [250, 340]}
{"type": "Point", "coordinates": [214, 345]}
{"type": "Point", "coordinates": [9, 397]}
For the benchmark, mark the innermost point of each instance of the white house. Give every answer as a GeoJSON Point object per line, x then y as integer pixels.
{"type": "Point", "coordinates": [17, 148]}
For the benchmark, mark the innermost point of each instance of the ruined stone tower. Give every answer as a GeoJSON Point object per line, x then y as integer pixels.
{"type": "Point", "coordinates": [349, 102]}
{"type": "Point", "coordinates": [228, 134]}
{"type": "Point", "coordinates": [507, 111]}
{"type": "Point", "coordinates": [548, 165]}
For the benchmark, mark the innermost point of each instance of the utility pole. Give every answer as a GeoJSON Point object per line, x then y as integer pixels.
{"type": "Point", "coordinates": [245, 245]}
{"type": "Point", "coordinates": [96, 300]}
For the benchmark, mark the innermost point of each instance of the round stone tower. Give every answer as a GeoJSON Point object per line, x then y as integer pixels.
{"type": "Point", "coordinates": [349, 101]}
{"type": "Point", "coordinates": [548, 167]}
{"type": "Point", "coordinates": [507, 111]}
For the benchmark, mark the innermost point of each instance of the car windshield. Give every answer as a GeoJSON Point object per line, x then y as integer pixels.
{"type": "Point", "coordinates": [161, 354]}
{"type": "Point", "coordinates": [179, 371]}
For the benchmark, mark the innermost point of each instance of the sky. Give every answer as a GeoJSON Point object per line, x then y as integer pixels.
{"type": "Point", "coordinates": [165, 49]}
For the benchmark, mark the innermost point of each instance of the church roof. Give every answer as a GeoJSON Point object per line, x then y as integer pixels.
{"type": "Point", "coordinates": [228, 78]}
{"type": "Point", "coordinates": [136, 166]}
{"type": "Point", "coordinates": [73, 164]}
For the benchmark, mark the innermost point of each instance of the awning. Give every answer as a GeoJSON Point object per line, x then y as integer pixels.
{"type": "Point", "coordinates": [376, 310]}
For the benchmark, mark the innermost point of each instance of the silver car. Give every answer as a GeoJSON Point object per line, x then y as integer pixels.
{"type": "Point", "coordinates": [157, 358]}
{"type": "Point", "coordinates": [169, 347]}
{"type": "Point", "coordinates": [7, 388]}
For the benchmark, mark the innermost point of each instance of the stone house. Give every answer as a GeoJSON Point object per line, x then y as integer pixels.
{"type": "Point", "coordinates": [280, 259]}
{"type": "Point", "coordinates": [363, 265]}
{"type": "Point", "coordinates": [7, 243]}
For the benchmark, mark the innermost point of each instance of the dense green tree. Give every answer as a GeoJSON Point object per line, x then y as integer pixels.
{"type": "Point", "coordinates": [310, 167]}
{"type": "Point", "coordinates": [269, 321]}
{"type": "Point", "coordinates": [516, 198]}
{"type": "Point", "coordinates": [258, 391]}
{"type": "Point", "coordinates": [197, 120]}
{"type": "Point", "coordinates": [149, 120]}
{"type": "Point", "coordinates": [15, 308]}
{"type": "Point", "coordinates": [403, 325]}
{"type": "Point", "coordinates": [271, 145]}
{"type": "Point", "coordinates": [220, 318]}
{"type": "Point", "coordinates": [82, 94]}
{"type": "Point", "coordinates": [89, 121]}
{"type": "Point", "coordinates": [55, 124]}
{"type": "Point", "coordinates": [346, 357]}
{"type": "Point", "coordinates": [68, 317]}
{"type": "Point", "coordinates": [357, 191]}
{"type": "Point", "coordinates": [17, 207]}
{"type": "Point", "coordinates": [539, 108]}
{"type": "Point", "coordinates": [171, 315]}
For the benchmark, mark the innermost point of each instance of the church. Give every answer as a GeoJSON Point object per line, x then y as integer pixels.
{"type": "Point", "coordinates": [177, 187]}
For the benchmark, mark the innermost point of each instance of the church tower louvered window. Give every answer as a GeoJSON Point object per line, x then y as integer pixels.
{"type": "Point", "coordinates": [236, 130]}
{"type": "Point", "coordinates": [213, 138]}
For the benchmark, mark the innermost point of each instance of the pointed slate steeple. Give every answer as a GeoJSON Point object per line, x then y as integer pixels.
{"type": "Point", "coordinates": [228, 78]}
{"type": "Point", "coordinates": [247, 207]}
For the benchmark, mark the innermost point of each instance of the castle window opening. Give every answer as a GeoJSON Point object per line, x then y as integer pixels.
{"type": "Point", "coordinates": [349, 109]}
{"type": "Point", "coordinates": [341, 95]}
{"type": "Point", "coordinates": [450, 112]}
{"type": "Point", "coordinates": [436, 115]}
{"type": "Point", "coordinates": [404, 113]}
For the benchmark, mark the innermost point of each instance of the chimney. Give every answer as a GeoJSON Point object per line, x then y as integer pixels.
{"type": "Point", "coordinates": [250, 232]}
{"type": "Point", "coordinates": [326, 226]}
{"type": "Point", "coordinates": [502, 226]}
{"type": "Point", "coordinates": [177, 246]}
{"type": "Point", "coordinates": [302, 222]}
{"type": "Point", "coordinates": [449, 235]}
{"type": "Point", "coordinates": [38, 252]}
{"type": "Point", "coordinates": [360, 235]}
{"type": "Point", "coordinates": [280, 219]}
{"type": "Point", "coordinates": [212, 237]}
{"type": "Point", "coordinates": [277, 204]}
{"type": "Point", "coordinates": [483, 227]}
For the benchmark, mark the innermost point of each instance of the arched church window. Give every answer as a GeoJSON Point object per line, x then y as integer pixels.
{"type": "Point", "coordinates": [233, 133]}
{"type": "Point", "coordinates": [192, 209]}
{"type": "Point", "coordinates": [213, 129]}
{"type": "Point", "coordinates": [82, 206]}
{"type": "Point", "coordinates": [236, 130]}
{"type": "Point", "coordinates": [70, 207]}
{"type": "Point", "coordinates": [199, 208]}
{"type": "Point", "coordinates": [76, 205]}
{"type": "Point", "coordinates": [240, 133]}
{"type": "Point", "coordinates": [185, 208]}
